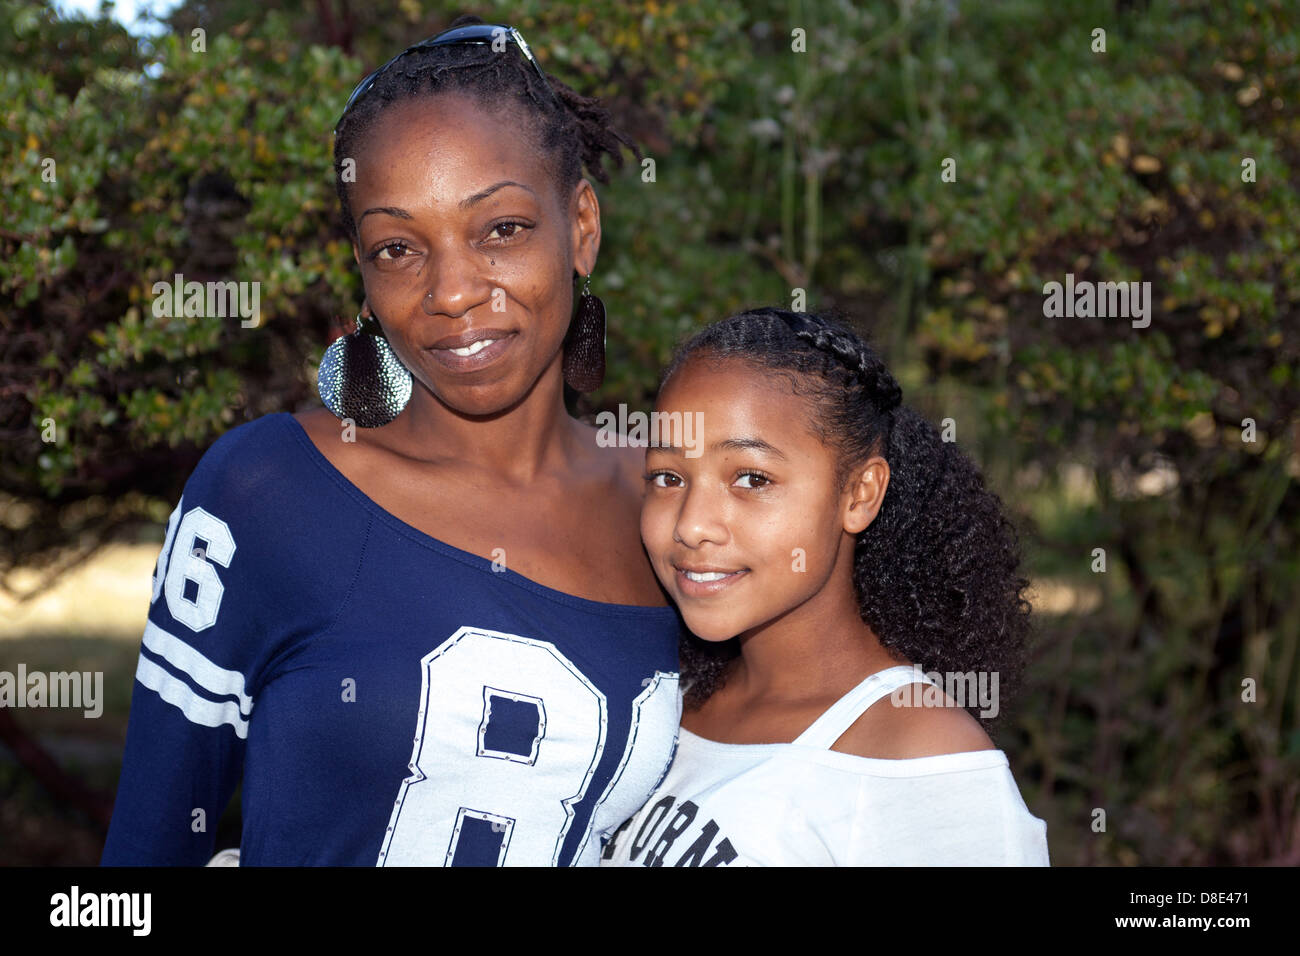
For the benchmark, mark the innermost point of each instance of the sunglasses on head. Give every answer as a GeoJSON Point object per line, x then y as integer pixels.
{"type": "Point", "coordinates": [494, 34]}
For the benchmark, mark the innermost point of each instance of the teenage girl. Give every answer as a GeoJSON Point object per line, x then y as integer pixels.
{"type": "Point", "coordinates": [827, 549]}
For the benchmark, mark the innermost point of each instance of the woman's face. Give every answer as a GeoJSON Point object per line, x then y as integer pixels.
{"type": "Point", "coordinates": [463, 237]}
{"type": "Point", "coordinates": [754, 527]}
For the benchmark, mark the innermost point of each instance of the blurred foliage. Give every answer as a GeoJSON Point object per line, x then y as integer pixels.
{"type": "Point", "coordinates": [776, 171]}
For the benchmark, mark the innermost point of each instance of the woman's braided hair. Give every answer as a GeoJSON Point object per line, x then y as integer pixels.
{"type": "Point", "coordinates": [936, 572]}
{"type": "Point", "coordinates": [573, 130]}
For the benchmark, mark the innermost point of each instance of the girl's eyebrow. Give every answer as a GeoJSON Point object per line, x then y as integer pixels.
{"type": "Point", "coordinates": [749, 444]}
{"type": "Point", "coordinates": [729, 444]}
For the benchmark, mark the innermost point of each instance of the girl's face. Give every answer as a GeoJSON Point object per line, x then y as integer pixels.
{"type": "Point", "coordinates": [463, 237]}
{"type": "Point", "coordinates": [753, 528]}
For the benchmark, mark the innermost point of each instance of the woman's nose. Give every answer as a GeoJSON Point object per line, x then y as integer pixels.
{"type": "Point", "coordinates": [453, 283]}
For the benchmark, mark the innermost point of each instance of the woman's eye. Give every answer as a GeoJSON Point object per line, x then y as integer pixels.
{"type": "Point", "coordinates": [663, 479]}
{"type": "Point", "coordinates": [508, 230]}
{"type": "Point", "coordinates": [390, 251]}
{"type": "Point", "coordinates": [755, 480]}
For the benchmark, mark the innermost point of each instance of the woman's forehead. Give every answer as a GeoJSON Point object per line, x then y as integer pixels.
{"type": "Point", "coordinates": [456, 132]}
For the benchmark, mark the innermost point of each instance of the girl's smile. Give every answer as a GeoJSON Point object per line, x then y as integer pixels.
{"type": "Point", "coordinates": [701, 582]}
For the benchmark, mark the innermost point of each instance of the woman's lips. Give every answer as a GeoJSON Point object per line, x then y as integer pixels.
{"type": "Point", "coordinates": [477, 355]}
{"type": "Point", "coordinates": [715, 581]}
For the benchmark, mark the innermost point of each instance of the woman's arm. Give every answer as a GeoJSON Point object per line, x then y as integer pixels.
{"type": "Point", "coordinates": [197, 671]}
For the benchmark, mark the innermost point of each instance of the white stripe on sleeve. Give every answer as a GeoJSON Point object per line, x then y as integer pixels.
{"type": "Point", "coordinates": [197, 710]}
{"type": "Point", "coordinates": [216, 680]}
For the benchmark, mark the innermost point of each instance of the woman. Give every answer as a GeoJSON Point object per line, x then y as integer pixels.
{"type": "Point", "coordinates": [829, 553]}
{"type": "Point", "coordinates": [422, 627]}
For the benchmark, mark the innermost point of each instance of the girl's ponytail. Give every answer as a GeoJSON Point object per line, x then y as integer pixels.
{"type": "Point", "coordinates": [937, 571]}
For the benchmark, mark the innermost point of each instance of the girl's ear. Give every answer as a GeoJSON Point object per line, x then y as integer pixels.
{"type": "Point", "coordinates": [865, 494]}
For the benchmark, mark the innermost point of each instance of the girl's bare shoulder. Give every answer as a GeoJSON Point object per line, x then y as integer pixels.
{"type": "Point", "coordinates": [902, 729]}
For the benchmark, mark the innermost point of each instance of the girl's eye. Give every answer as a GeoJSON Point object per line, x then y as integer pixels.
{"type": "Point", "coordinates": [663, 479]}
{"type": "Point", "coordinates": [756, 479]}
{"type": "Point", "coordinates": [394, 250]}
{"type": "Point", "coordinates": [509, 230]}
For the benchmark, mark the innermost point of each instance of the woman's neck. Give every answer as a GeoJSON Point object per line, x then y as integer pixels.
{"type": "Point", "coordinates": [519, 443]}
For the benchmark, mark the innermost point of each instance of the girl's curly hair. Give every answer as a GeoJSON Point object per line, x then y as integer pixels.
{"type": "Point", "coordinates": [936, 573]}
{"type": "Point", "coordinates": [574, 131]}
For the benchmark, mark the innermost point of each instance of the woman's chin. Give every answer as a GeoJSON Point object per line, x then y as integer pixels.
{"type": "Point", "coordinates": [480, 399]}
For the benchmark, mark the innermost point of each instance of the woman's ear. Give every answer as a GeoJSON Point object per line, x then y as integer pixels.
{"type": "Point", "coordinates": [865, 494]}
{"type": "Point", "coordinates": [585, 213]}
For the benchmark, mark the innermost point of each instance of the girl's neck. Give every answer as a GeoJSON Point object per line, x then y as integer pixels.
{"type": "Point", "coordinates": [822, 648]}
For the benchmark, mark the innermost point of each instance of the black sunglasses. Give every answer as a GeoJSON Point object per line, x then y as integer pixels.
{"type": "Point", "coordinates": [476, 34]}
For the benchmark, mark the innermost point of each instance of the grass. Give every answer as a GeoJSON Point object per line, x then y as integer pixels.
{"type": "Point", "coordinates": [91, 620]}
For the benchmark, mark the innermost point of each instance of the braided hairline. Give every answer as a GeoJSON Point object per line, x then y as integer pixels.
{"type": "Point", "coordinates": [434, 65]}
{"type": "Point", "coordinates": [473, 58]}
{"type": "Point", "coordinates": [857, 358]}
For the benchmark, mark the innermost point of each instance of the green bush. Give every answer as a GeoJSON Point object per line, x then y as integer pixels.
{"type": "Point", "coordinates": [777, 171]}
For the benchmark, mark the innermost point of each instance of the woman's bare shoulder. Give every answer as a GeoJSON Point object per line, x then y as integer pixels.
{"type": "Point", "coordinates": [318, 422]}
{"type": "Point", "coordinates": [625, 463]}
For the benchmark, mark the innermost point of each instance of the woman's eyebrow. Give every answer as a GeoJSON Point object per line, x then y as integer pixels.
{"type": "Point", "coordinates": [479, 196]}
{"type": "Point", "coordinates": [399, 213]}
{"type": "Point", "coordinates": [393, 211]}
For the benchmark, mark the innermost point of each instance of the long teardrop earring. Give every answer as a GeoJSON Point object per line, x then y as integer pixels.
{"type": "Point", "coordinates": [584, 346]}
{"type": "Point", "coordinates": [361, 378]}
